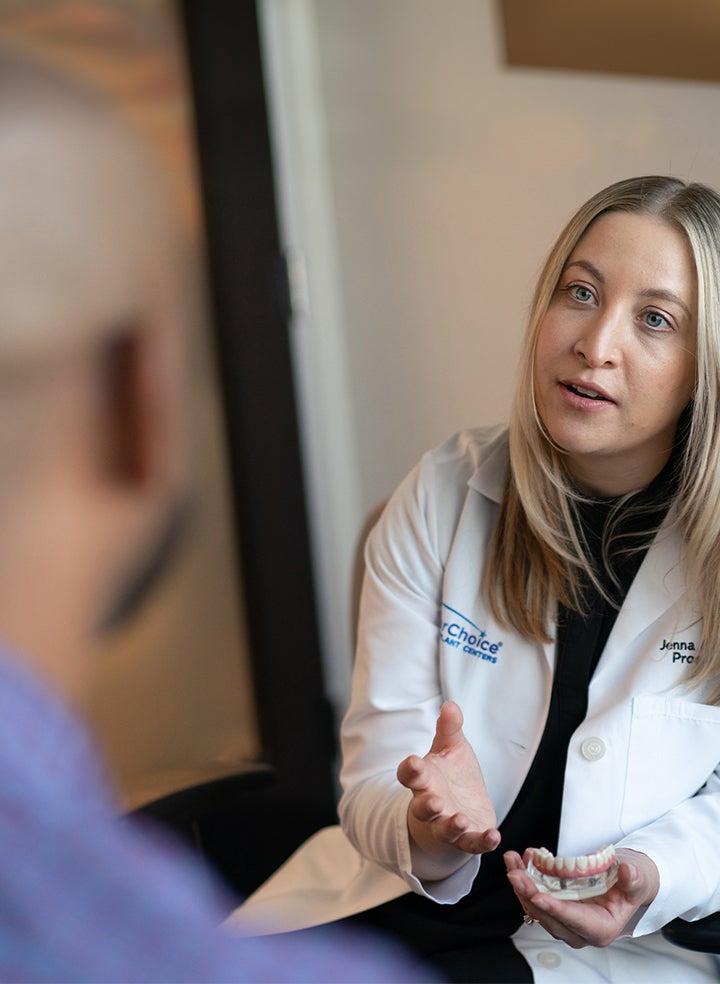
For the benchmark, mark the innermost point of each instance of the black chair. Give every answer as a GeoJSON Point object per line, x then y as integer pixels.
{"type": "Point", "coordinates": [702, 935]}
{"type": "Point", "coordinates": [219, 817]}
{"type": "Point", "coordinates": [186, 809]}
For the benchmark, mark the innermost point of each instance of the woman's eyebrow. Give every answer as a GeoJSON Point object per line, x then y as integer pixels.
{"type": "Point", "coordinates": [666, 295]}
{"type": "Point", "coordinates": [586, 265]}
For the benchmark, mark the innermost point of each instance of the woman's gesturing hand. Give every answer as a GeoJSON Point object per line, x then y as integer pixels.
{"type": "Point", "coordinates": [450, 811]}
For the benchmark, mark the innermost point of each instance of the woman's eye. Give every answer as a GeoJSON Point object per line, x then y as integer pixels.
{"type": "Point", "coordinates": [580, 293]}
{"type": "Point", "coordinates": [655, 320]}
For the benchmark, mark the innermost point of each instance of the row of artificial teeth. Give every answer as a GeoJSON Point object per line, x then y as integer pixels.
{"type": "Point", "coordinates": [598, 860]}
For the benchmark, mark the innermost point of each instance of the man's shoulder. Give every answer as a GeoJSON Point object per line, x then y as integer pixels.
{"type": "Point", "coordinates": [46, 751]}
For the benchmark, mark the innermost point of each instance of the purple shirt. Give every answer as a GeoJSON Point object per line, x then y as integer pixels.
{"type": "Point", "coordinates": [85, 896]}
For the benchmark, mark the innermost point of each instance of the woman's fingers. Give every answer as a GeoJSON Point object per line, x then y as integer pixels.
{"type": "Point", "coordinates": [448, 728]}
{"type": "Point", "coordinates": [413, 773]}
{"type": "Point", "coordinates": [479, 843]}
{"type": "Point", "coordinates": [449, 794]}
{"type": "Point", "coordinates": [456, 830]}
{"type": "Point", "coordinates": [427, 809]}
{"type": "Point", "coordinates": [513, 861]}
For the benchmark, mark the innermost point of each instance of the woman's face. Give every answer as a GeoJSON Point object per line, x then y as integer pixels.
{"type": "Point", "coordinates": [615, 356]}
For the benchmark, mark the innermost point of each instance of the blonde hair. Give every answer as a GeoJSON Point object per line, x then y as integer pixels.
{"type": "Point", "coordinates": [537, 556]}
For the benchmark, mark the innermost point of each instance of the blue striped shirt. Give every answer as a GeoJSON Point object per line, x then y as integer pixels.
{"type": "Point", "coordinates": [87, 897]}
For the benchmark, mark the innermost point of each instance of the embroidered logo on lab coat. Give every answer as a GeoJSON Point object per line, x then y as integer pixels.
{"type": "Point", "coordinates": [458, 632]}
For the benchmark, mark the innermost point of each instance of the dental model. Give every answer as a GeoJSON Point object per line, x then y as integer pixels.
{"type": "Point", "coordinates": [573, 878]}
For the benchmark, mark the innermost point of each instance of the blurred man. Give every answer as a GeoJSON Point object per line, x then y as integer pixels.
{"type": "Point", "coordinates": [92, 480]}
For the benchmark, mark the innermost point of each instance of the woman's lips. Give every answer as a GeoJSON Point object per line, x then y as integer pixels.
{"type": "Point", "coordinates": [585, 396]}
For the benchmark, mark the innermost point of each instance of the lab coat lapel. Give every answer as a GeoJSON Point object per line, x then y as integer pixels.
{"type": "Point", "coordinates": [658, 585]}
{"type": "Point", "coordinates": [489, 480]}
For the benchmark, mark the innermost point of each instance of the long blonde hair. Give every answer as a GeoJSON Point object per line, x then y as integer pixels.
{"type": "Point", "coordinates": [537, 557]}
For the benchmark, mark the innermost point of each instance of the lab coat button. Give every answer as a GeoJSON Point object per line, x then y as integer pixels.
{"type": "Point", "coordinates": [549, 959]}
{"type": "Point", "coordinates": [592, 749]}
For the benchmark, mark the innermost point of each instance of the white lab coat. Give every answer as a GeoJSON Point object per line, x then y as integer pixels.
{"type": "Point", "coordinates": [642, 769]}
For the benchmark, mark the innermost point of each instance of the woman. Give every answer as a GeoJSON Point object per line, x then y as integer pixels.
{"type": "Point", "coordinates": [558, 587]}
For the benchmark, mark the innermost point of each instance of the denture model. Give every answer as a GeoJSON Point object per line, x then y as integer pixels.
{"type": "Point", "coordinates": [573, 878]}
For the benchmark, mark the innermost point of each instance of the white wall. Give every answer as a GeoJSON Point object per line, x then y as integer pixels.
{"type": "Point", "coordinates": [423, 182]}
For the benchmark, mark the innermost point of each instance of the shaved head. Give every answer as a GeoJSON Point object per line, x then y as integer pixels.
{"type": "Point", "coordinates": [82, 231]}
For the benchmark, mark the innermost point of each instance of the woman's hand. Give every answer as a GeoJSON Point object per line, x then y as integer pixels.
{"type": "Point", "coordinates": [450, 814]}
{"type": "Point", "coordinates": [591, 922]}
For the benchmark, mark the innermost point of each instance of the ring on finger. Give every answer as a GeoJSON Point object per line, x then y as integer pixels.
{"type": "Point", "coordinates": [528, 919]}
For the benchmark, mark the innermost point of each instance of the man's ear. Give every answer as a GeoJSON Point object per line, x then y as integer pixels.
{"type": "Point", "coordinates": [140, 406]}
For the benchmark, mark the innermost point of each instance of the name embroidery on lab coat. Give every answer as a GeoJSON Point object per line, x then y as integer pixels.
{"type": "Point", "coordinates": [682, 652]}
{"type": "Point", "coordinates": [458, 632]}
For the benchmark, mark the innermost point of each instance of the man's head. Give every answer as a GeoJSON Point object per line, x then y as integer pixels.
{"type": "Point", "coordinates": [91, 440]}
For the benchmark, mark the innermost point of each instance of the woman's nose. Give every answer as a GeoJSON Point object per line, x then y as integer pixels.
{"type": "Point", "coordinates": [599, 341]}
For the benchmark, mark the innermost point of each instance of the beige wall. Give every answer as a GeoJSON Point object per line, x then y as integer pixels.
{"type": "Point", "coordinates": [434, 177]}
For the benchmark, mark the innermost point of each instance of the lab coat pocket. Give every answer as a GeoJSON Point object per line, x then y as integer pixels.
{"type": "Point", "coordinates": [674, 747]}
